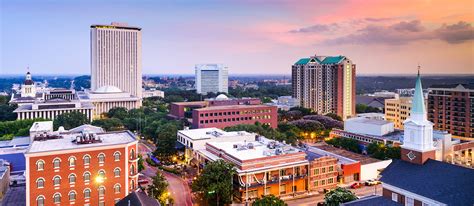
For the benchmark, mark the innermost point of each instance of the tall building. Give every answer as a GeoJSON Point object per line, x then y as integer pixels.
{"type": "Point", "coordinates": [451, 108]}
{"type": "Point", "coordinates": [397, 110]}
{"type": "Point", "coordinates": [116, 57]}
{"type": "Point", "coordinates": [85, 168]}
{"type": "Point", "coordinates": [325, 84]}
{"type": "Point", "coordinates": [211, 78]}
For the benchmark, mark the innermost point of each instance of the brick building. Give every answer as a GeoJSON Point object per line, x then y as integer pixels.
{"type": "Point", "coordinates": [81, 168]}
{"type": "Point", "coordinates": [451, 108]}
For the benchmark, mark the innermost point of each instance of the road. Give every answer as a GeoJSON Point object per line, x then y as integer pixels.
{"type": "Point", "coordinates": [361, 192]}
{"type": "Point", "coordinates": [178, 188]}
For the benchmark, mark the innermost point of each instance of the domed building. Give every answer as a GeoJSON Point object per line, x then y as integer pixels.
{"type": "Point", "coordinates": [107, 97]}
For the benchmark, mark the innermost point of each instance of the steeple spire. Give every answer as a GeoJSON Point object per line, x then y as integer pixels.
{"type": "Point", "coordinates": [418, 104]}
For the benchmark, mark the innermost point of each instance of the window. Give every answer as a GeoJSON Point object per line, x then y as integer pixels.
{"type": "Point", "coordinates": [316, 171]}
{"type": "Point", "coordinates": [101, 203]}
{"type": "Point", "coordinates": [409, 201]}
{"type": "Point", "coordinates": [56, 163]}
{"type": "Point", "coordinates": [323, 182]}
{"type": "Point", "coordinates": [40, 166]}
{"type": "Point", "coordinates": [72, 161]}
{"type": "Point", "coordinates": [87, 176]}
{"type": "Point", "coordinates": [57, 198]}
{"type": "Point", "coordinates": [57, 181]}
{"type": "Point", "coordinates": [117, 188]}
{"type": "Point", "coordinates": [316, 183]}
{"type": "Point", "coordinates": [283, 188]}
{"type": "Point", "coordinates": [72, 179]}
{"type": "Point", "coordinates": [101, 191]}
{"type": "Point", "coordinates": [40, 200]}
{"type": "Point", "coordinates": [331, 168]}
{"type": "Point", "coordinates": [72, 196]}
{"type": "Point", "coordinates": [101, 158]}
{"type": "Point", "coordinates": [394, 197]}
{"type": "Point", "coordinates": [330, 181]}
{"type": "Point", "coordinates": [117, 172]}
{"type": "Point", "coordinates": [87, 159]}
{"type": "Point", "coordinates": [132, 154]}
{"type": "Point", "coordinates": [132, 170]}
{"type": "Point", "coordinates": [323, 170]}
{"type": "Point", "coordinates": [132, 184]}
{"type": "Point", "coordinates": [40, 183]}
{"type": "Point", "coordinates": [117, 156]}
{"type": "Point", "coordinates": [87, 193]}
{"type": "Point", "coordinates": [102, 173]}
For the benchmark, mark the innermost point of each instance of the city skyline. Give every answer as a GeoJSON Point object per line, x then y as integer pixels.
{"type": "Point", "coordinates": [250, 37]}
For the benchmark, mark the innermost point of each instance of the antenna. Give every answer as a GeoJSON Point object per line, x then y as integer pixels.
{"type": "Point", "coordinates": [419, 67]}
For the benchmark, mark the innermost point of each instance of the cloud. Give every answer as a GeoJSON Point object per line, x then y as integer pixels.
{"type": "Point", "coordinates": [405, 32]}
{"type": "Point", "coordinates": [317, 28]}
{"type": "Point", "coordinates": [370, 19]}
{"type": "Point", "coordinates": [456, 33]}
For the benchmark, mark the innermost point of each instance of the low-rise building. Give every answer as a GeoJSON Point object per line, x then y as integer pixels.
{"type": "Point", "coordinates": [285, 103]}
{"type": "Point", "coordinates": [153, 93]}
{"type": "Point", "coordinates": [81, 168]}
{"type": "Point", "coordinates": [50, 109]}
{"type": "Point", "coordinates": [267, 167]}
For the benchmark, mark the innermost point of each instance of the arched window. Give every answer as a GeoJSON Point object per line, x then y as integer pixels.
{"type": "Point", "coordinates": [40, 200]}
{"type": "Point", "coordinates": [101, 158]}
{"type": "Point", "coordinates": [117, 156]}
{"type": "Point", "coordinates": [102, 173]}
{"type": "Point", "coordinates": [72, 179]}
{"type": "Point", "coordinates": [40, 183]}
{"type": "Point", "coordinates": [57, 180]}
{"type": "Point", "coordinates": [117, 172]}
{"type": "Point", "coordinates": [132, 170]}
{"type": "Point", "coordinates": [101, 191]}
{"type": "Point", "coordinates": [132, 154]}
{"type": "Point", "coordinates": [72, 161]}
{"type": "Point", "coordinates": [87, 193]}
{"type": "Point", "coordinates": [57, 198]}
{"type": "Point", "coordinates": [40, 166]}
{"type": "Point", "coordinates": [117, 188]}
{"type": "Point", "coordinates": [132, 184]}
{"type": "Point", "coordinates": [87, 176]}
{"type": "Point", "coordinates": [72, 196]}
{"type": "Point", "coordinates": [56, 163]}
{"type": "Point", "coordinates": [87, 159]}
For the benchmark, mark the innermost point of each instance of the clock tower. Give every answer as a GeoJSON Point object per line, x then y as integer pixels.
{"type": "Point", "coordinates": [418, 135]}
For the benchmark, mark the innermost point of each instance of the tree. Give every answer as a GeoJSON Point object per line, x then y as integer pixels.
{"type": "Point", "coordinates": [334, 116]}
{"type": "Point", "coordinates": [118, 112]}
{"type": "Point", "coordinates": [362, 108]}
{"type": "Point", "coordinates": [109, 124]}
{"type": "Point", "coordinates": [166, 141]}
{"type": "Point", "coordinates": [158, 188]}
{"type": "Point", "coordinates": [215, 183]}
{"type": "Point", "coordinates": [339, 195]}
{"type": "Point", "coordinates": [10, 129]}
{"type": "Point", "coordinates": [70, 120]}
{"type": "Point", "coordinates": [382, 152]}
{"type": "Point", "coordinates": [6, 110]}
{"type": "Point", "coordinates": [141, 164]}
{"type": "Point", "coordinates": [269, 200]}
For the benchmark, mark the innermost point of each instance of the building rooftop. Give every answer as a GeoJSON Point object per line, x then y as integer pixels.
{"type": "Point", "coordinates": [440, 181]}
{"type": "Point", "coordinates": [54, 105]}
{"type": "Point", "coordinates": [372, 200]}
{"type": "Point", "coordinates": [349, 157]}
{"type": "Point", "coordinates": [254, 149]}
{"type": "Point", "coordinates": [469, 86]}
{"type": "Point", "coordinates": [369, 121]}
{"type": "Point", "coordinates": [66, 141]}
{"type": "Point", "coordinates": [42, 126]}
{"type": "Point", "coordinates": [210, 133]}
{"type": "Point", "coordinates": [232, 107]}
{"type": "Point", "coordinates": [137, 198]}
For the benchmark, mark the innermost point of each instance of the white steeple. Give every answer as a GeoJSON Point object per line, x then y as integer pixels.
{"type": "Point", "coordinates": [418, 134]}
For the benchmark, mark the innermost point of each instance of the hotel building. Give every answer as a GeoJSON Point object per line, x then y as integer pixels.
{"type": "Point", "coordinates": [81, 168]}
{"type": "Point", "coordinates": [451, 108]}
{"type": "Point", "coordinates": [267, 167]}
{"type": "Point", "coordinates": [211, 78]}
{"type": "Point", "coordinates": [116, 57]}
{"type": "Point", "coordinates": [326, 84]}
{"type": "Point", "coordinates": [397, 110]}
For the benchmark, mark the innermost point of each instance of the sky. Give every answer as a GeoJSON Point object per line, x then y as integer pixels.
{"type": "Point", "coordinates": [248, 36]}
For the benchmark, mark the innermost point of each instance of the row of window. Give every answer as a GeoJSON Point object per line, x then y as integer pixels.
{"type": "Point", "coordinates": [40, 200]}
{"type": "Point", "coordinates": [86, 160]}
{"type": "Point", "coordinates": [72, 177]}
{"type": "Point", "coordinates": [216, 114]}
{"type": "Point", "coordinates": [234, 119]}
{"type": "Point", "coordinates": [323, 182]}
{"type": "Point", "coordinates": [323, 170]}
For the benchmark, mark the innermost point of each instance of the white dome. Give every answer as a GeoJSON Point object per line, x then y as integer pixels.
{"type": "Point", "coordinates": [222, 97]}
{"type": "Point", "coordinates": [108, 89]}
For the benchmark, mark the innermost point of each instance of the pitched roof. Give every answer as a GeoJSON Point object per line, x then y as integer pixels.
{"type": "Point", "coordinates": [418, 103]}
{"type": "Point", "coordinates": [436, 180]}
{"type": "Point", "coordinates": [137, 198]}
{"type": "Point", "coordinates": [372, 200]}
{"type": "Point", "coordinates": [332, 60]}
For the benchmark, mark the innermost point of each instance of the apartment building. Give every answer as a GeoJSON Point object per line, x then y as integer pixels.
{"type": "Point", "coordinates": [398, 110]}
{"type": "Point", "coordinates": [83, 168]}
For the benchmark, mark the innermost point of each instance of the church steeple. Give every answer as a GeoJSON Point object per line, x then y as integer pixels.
{"type": "Point", "coordinates": [418, 110]}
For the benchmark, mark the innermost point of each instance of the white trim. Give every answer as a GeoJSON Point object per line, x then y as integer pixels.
{"type": "Point", "coordinates": [119, 188]}
{"type": "Point", "coordinates": [120, 155]}
{"type": "Point", "coordinates": [79, 150]}
{"type": "Point", "coordinates": [59, 180]}
{"type": "Point", "coordinates": [411, 195]}
{"type": "Point", "coordinates": [36, 164]}
{"type": "Point", "coordinates": [126, 171]}
{"type": "Point", "coordinates": [84, 193]}
{"type": "Point", "coordinates": [40, 178]}
{"type": "Point", "coordinates": [98, 189]}
{"type": "Point", "coordinates": [120, 172]}
{"type": "Point", "coordinates": [84, 174]}
{"type": "Point", "coordinates": [98, 158]}
{"type": "Point", "coordinates": [57, 158]}
{"type": "Point", "coordinates": [69, 161]}
{"type": "Point", "coordinates": [27, 160]}
{"type": "Point", "coordinates": [102, 170]}
{"type": "Point", "coordinates": [69, 178]}
{"type": "Point", "coordinates": [60, 197]}
{"type": "Point", "coordinates": [69, 197]}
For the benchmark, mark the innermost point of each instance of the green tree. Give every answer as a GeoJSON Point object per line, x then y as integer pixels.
{"type": "Point", "coordinates": [339, 195]}
{"type": "Point", "coordinates": [118, 112]}
{"type": "Point", "coordinates": [6, 110]}
{"type": "Point", "coordinates": [166, 141]}
{"type": "Point", "coordinates": [109, 124]}
{"type": "Point", "coordinates": [141, 164]}
{"type": "Point", "coordinates": [158, 188]}
{"type": "Point", "coordinates": [269, 200]}
{"type": "Point", "coordinates": [215, 183]}
{"type": "Point", "coordinates": [70, 120]}
{"type": "Point", "coordinates": [10, 129]}
{"type": "Point", "coordinates": [334, 116]}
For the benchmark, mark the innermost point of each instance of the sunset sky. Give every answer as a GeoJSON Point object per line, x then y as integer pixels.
{"type": "Point", "coordinates": [249, 36]}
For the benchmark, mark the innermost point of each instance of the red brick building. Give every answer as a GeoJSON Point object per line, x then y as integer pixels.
{"type": "Point", "coordinates": [81, 168]}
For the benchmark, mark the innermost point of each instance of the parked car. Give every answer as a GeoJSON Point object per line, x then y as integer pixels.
{"type": "Point", "coordinates": [372, 182]}
{"type": "Point", "coordinates": [356, 185]}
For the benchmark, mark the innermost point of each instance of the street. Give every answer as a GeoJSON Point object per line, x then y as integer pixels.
{"type": "Point", "coordinates": [178, 188]}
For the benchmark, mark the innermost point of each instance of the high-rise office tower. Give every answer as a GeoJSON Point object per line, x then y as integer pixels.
{"type": "Point", "coordinates": [211, 78]}
{"type": "Point", "coordinates": [325, 84]}
{"type": "Point", "coordinates": [116, 57]}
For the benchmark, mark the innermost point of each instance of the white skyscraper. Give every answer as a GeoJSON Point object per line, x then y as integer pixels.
{"type": "Point", "coordinates": [116, 57]}
{"type": "Point", "coordinates": [211, 78]}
